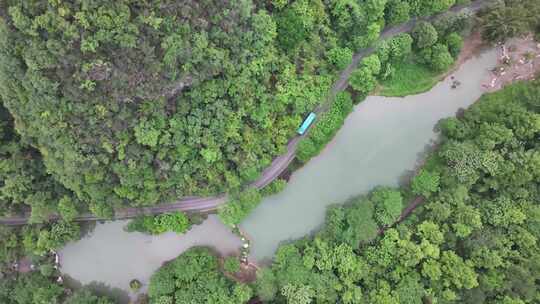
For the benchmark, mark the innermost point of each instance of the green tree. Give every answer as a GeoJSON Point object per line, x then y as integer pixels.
{"type": "Point", "coordinates": [388, 205]}
{"type": "Point", "coordinates": [424, 35]}
{"type": "Point", "coordinates": [425, 183]}
{"type": "Point", "coordinates": [362, 80]}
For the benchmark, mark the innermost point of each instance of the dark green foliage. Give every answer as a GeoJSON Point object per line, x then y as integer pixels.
{"type": "Point", "coordinates": [194, 277]}
{"type": "Point", "coordinates": [340, 57]}
{"type": "Point", "coordinates": [509, 19]}
{"type": "Point", "coordinates": [326, 126]}
{"type": "Point", "coordinates": [388, 205]}
{"type": "Point", "coordinates": [475, 240]}
{"type": "Point", "coordinates": [455, 43]}
{"type": "Point", "coordinates": [424, 35]}
{"type": "Point", "coordinates": [176, 222]}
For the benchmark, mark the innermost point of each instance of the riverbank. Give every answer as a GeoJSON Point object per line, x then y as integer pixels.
{"type": "Point", "coordinates": [518, 60]}
{"type": "Point", "coordinates": [412, 78]}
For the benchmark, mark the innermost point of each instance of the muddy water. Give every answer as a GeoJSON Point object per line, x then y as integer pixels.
{"type": "Point", "coordinates": [115, 257]}
{"type": "Point", "coordinates": [381, 140]}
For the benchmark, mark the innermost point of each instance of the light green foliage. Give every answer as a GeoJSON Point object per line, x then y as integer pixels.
{"type": "Point", "coordinates": [425, 183]}
{"type": "Point", "coordinates": [372, 63]}
{"type": "Point", "coordinates": [175, 222]}
{"type": "Point", "coordinates": [239, 206]}
{"type": "Point", "coordinates": [67, 208]}
{"type": "Point", "coordinates": [231, 264]}
{"type": "Point", "coordinates": [194, 277]}
{"type": "Point", "coordinates": [388, 205]}
{"type": "Point", "coordinates": [409, 78]}
{"type": "Point", "coordinates": [509, 19]}
{"type": "Point", "coordinates": [340, 57]}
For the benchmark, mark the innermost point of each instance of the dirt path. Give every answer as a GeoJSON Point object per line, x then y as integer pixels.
{"type": "Point", "coordinates": [278, 165]}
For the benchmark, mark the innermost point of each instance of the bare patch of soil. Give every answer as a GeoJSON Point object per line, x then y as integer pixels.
{"type": "Point", "coordinates": [518, 60]}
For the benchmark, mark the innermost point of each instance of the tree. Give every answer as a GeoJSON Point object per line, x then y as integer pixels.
{"type": "Point", "coordinates": [425, 183]}
{"type": "Point", "coordinates": [362, 80]}
{"type": "Point", "coordinates": [67, 208]}
{"type": "Point", "coordinates": [424, 35]}
{"type": "Point", "coordinates": [455, 43]}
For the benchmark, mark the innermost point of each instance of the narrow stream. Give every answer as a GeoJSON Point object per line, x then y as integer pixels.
{"type": "Point", "coordinates": [381, 140]}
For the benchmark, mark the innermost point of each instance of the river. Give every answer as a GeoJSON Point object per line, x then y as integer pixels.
{"type": "Point", "coordinates": [381, 141]}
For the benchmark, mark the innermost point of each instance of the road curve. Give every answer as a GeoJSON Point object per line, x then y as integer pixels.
{"type": "Point", "coordinates": [279, 164]}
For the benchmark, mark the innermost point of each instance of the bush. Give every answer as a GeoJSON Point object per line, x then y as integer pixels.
{"type": "Point", "coordinates": [454, 43]}
{"type": "Point", "coordinates": [340, 57]}
{"type": "Point", "coordinates": [362, 80]}
{"type": "Point", "coordinates": [425, 183]}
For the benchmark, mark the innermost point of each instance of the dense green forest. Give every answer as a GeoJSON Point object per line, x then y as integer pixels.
{"type": "Point", "coordinates": [473, 240]}
{"type": "Point", "coordinates": [113, 103]}
{"type": "Point", "coordinates": [37, 288]}
{"type": "Point", "coordinates": [145, 102]}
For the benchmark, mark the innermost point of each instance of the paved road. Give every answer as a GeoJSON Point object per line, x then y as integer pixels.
{"type": "Point", "coordinates": [278, 165]}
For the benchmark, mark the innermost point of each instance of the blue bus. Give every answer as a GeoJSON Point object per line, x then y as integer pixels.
{"type": "Point", "coordinates": [307, 122]}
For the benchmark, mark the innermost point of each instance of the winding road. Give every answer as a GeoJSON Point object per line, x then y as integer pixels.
{"type": "Point", "coordinates": [278, 165]}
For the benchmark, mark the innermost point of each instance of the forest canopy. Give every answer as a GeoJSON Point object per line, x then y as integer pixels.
{"type": "Point", "coordinates": [145, 102]}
